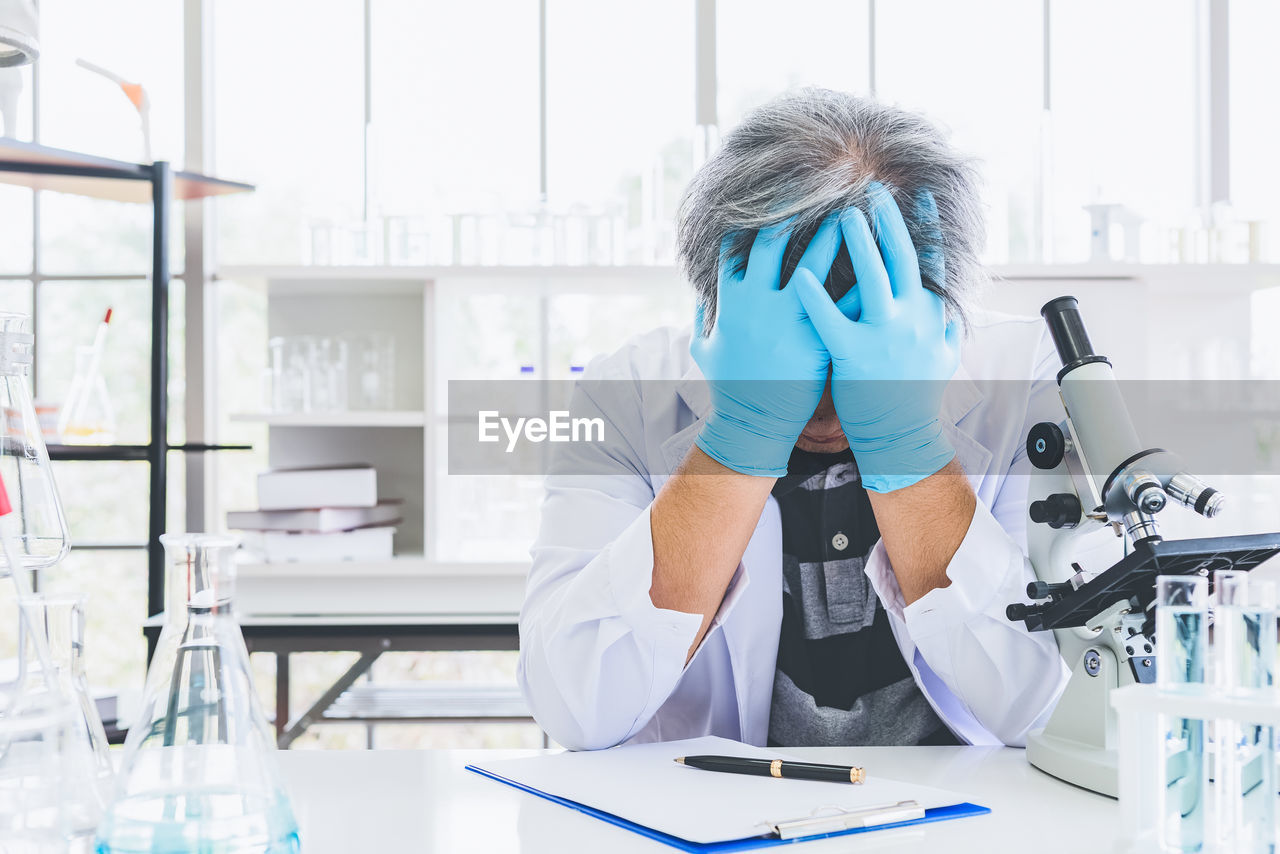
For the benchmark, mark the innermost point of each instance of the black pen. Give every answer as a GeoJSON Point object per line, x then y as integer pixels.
{"type": "Point", "coordinates": [776, 768]}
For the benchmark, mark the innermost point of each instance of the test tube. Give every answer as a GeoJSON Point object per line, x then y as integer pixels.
{"type": "Point", "coordinates": [1244, 658]}
{"type": "Point", "coordinates": [1182, 616]}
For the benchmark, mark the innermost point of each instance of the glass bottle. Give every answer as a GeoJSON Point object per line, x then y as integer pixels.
{"type": "Point", "coordinates": [199, 771]}
{"type": "Point", "coordinates": [1182, 781]}
{"type": "Point", "coordinates": [40, 528]}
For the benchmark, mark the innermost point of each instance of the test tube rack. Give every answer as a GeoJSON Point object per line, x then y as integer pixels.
{"type": "Point", "coordinates": [1139, 708]}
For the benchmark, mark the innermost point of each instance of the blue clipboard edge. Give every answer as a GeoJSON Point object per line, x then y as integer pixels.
{"type": "Point", "coordinates": [752, 842]}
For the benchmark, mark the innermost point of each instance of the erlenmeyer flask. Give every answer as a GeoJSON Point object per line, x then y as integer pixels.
{"type": "Point", "coordinates": [61, 619]}
{"type": "Point", "coordinates": [199, 770]}
{"type": "Point", "coordinates": [33, 814]}
{"type": "Point", "coordinates": [40, 529]}
{"type": "Point", "coordinates": [54, 767]}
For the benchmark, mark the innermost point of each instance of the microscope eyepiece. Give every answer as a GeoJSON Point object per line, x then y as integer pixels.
{"type": "Point", "coordinates": [1066, 327]}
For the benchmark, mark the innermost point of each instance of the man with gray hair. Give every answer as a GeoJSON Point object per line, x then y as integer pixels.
{"type": "Point", "coordinates": [813, 540]}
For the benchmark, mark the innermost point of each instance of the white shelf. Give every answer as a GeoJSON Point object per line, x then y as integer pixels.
{"type": "Point", "coordinates": [1201, 277]}
{"type": "Point", "coordinates": [397, 587]}
{"type": "Point", "coordinates": [406, 273]}
{"type": "Point", "coordinates": [371, 273]}
{"type": "Point", "coordinates": [352, 418]}
{"type": "Point", "coordinates": [415, 566]}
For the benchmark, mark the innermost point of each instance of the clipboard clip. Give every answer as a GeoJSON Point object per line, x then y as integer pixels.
{"type": "Point", "coordinates": [835, 819]}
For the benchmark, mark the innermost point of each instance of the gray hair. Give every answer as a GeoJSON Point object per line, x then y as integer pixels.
{"type": "Point", "coordinates": [813, 152]}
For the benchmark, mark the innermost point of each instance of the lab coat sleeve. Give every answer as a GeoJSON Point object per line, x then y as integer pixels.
{"type": "Point", "coordinates": [597, 658]}
{"type": "Point", "coordinates": [1007, 678]}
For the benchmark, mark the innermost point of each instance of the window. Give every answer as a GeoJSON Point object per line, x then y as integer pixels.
{"type": "Point", "coordinates": [454, 83]}
{"type": "Point", "coordinates": [1255, 125]}
{"type": "Point", "coordinates": [975, 69]}
{"type": "Point", "coordinates": [1123, 120]}
{"type": "Point", "coordinates": [92, 255]}
{"type": "Point", "coordinates": [16, 212]}
{"type": "Point", "coordinates": [289, 107]}
{"type": "Point", "coordinates": [764, 49]}
{"type": "Point", "coordinates": [620, 116]}
{"type": "Point", "coordinates": [81, 110]}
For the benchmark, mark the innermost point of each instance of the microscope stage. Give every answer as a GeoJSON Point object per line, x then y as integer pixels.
{"type": "Point", "coordinates": [1133, 578]}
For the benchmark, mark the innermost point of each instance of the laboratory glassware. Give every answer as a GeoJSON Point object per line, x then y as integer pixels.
{"type": "Point", "coordinates": [55, 772]}
{"type": "Point", "coordinates": [199, 770]}
{"type": "Point", "coordinates": [34, 815]}
{"type": "Point", "coordinates": [291, 360]}
{"type": "Point", "coordinates": [88, 414]}
{"type": "Point", "coordinates": [408, 240]}
{"type": "Point", "coordinates": [61, 620]}
{"type": "Point", "coordinates": [1244, 650]}
{"type": "Point", "coordinates": [376, 371]}
{"type": "Point", "coordinates": [329, 375]}
{"type": "Point", "coordinates": [1182, 616]}
{"type": "Point", "coordinates": [41, 529]}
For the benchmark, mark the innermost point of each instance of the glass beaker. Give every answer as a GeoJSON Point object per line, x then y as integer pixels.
{"type": "Point", "coordinates": [296, 356]}
{"type": "Point", "coordinates": [1182, 641]}
{"type": "Point", "coordinates": [39, 527]}
{"type": "Point", "coordinates": [88, 416]}
{"type": "Point", "coordinates": [376, 371]}
{"type": "Point", "coordinates": [329, 375]}
{"type": "Point", "coordinates": [199, 770]}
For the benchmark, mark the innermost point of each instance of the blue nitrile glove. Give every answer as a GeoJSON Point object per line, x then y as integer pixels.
{"type": "Point", "coordinates": [892, 357]}
{"type": "Point", "coordinates": [764, 362]}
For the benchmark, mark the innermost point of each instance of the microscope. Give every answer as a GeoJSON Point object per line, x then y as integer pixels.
{"type": "Point", "coordinates": [1094, 476]}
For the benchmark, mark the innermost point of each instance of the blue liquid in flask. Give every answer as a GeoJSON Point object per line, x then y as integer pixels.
{"type": "Point", "coordinates": [226, 820]}
{"type": "Point", "coordinates": [199, 772]}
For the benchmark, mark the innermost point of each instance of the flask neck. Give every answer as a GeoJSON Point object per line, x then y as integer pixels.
{"type": "Point", "coordinates": [60, 619]}
{"type": "Point", "coordinates": [17, 345]}
{"type": "Point", "coordinates": [201, 577]}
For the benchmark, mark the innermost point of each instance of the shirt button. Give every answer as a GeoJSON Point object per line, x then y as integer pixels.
{"type": "Point", "coordinates": [840, 541]}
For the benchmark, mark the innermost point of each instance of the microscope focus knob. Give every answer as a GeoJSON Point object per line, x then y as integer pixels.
{"type": "Point", "coordinates": [1046, 445]}
{"type": "Point", "coordinates": [1060, 510]}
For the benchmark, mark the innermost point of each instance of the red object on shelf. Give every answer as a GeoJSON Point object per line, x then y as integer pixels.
{"type": "Point", "coordinates": [5, 507]}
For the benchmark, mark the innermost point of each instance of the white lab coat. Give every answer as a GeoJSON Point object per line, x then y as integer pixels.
{"type": "Point", "coordinates": [601, 665]}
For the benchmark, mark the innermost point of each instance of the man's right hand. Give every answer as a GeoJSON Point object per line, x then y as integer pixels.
{"type": "Point", "coordinates": [763, 360]}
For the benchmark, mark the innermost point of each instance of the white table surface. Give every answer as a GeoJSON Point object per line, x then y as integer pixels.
{"type": "Point", "coordinates": [408, 801]}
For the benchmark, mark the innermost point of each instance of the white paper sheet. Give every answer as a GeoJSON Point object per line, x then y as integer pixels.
{"type": "Point", "coordinates": [643, 784]}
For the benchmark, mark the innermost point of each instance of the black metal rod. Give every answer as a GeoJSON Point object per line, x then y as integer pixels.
{"type": "Point", "coordinates": [132, 173]}
{"type": "Point", "coordinates": [99, 453]}
{"type": "Point", "coordinates": [161, 201]}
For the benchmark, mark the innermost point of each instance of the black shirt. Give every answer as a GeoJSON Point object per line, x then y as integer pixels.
{"type": "Point", "coordinates": [841, 678]}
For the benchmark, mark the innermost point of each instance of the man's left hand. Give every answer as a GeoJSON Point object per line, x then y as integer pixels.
{"type": "Point", "coordinates": [893, 355]}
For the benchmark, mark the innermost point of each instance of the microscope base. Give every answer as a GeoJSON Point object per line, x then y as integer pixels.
{"type": "Point", "coordinates": [1092, 768]}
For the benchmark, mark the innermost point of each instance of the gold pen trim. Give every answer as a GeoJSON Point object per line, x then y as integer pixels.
{"type": "Point", "coordinates": [775, 768]}
{"type": "Point", "coordinates": [857, 775]}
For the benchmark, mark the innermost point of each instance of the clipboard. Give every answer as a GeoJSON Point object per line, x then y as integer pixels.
{"type": "Point", "coordinates": [819, 821]}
